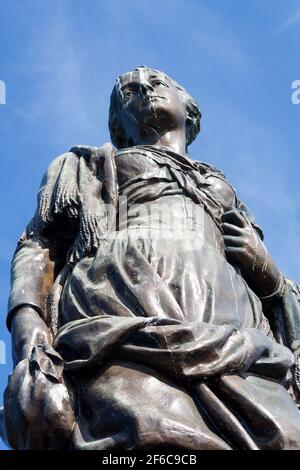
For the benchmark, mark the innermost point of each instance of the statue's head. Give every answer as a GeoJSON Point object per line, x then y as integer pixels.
{"type": "Point", "coordinates": [147, 101]}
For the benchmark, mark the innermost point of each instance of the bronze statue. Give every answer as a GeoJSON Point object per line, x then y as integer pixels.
{"type": "Point", "coordinates": [145, 310]}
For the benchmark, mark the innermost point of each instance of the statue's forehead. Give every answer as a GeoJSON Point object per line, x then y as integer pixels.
{"type": "Point", "coordinates": [140, 75]}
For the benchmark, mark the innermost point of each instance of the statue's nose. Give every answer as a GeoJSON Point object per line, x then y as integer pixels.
{"type": "Point", "coordinates": [146, 88]}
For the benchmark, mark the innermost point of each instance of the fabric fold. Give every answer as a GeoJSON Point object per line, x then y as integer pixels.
{"type": "Point", "coordinates": [186, 351]}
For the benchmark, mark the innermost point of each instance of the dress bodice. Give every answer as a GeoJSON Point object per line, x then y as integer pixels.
{"type": "Point", "coordinates": [156, 187]}
{"type": "Point", "coordinates": [140, 163]}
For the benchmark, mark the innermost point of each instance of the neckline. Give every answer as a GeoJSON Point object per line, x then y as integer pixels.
{"type": "Point", "coordinates": [203, 168]}
{"type": "Point", "coordinates": [164, 148]}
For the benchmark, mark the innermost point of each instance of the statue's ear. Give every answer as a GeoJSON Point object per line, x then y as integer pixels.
{"type": "Point", "coordinates": [193, 127]}
{"type": "Point", "coordinates": [188, 129]}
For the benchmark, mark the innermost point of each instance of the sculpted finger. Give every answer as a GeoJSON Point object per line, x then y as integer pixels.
{"type": "Point", "coordinates": [230, 229]}
{"type": "Point", "coordinates": [234, 217]}
{"type": "Point", "coordinates": [234, 252]}
{"type": "Point", "coordinates": [235, 242]}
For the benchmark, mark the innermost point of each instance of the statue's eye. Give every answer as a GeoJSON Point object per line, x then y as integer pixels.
{"type": "Point", "coordinates": [158, 83]}
{"type": "Point", "coordinates": [127, 93]}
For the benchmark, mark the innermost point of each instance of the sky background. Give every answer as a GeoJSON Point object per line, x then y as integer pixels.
{"type": "Point", "coordinates": [238, 58]}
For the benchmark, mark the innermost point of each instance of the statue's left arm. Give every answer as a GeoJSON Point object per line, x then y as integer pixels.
{"type": "Point", "coordinates": [280, 296]}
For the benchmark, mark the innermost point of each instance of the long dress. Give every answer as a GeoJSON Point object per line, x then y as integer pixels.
{"type": "Point", "coordinates": [164, 342]}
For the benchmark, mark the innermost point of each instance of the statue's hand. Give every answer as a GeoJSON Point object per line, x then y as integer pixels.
{"type": "Point", "coordinates": [242, 244]}
{"type": "Point", "coordinates": [244, 247]}
{"type": "Point", "coordinates": [38, 412]}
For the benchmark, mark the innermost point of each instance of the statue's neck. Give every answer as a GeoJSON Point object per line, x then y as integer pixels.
{"type": "Point", "coordinates": [175, 140]}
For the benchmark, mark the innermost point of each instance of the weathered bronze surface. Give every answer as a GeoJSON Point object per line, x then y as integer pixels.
{"type": "Point", "coordinates": [145, 310]}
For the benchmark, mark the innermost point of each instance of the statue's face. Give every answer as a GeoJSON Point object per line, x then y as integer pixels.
{"type": "Point", "coordinates": [150, 101]}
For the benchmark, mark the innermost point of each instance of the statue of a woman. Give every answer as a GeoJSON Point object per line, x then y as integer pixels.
{"type": "Point", "coordinates": [140, 296]}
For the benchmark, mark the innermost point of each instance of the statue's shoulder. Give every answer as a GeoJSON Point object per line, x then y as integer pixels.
{"type": "Point", "coordinates": [88, 152]}
{"type": "Point", "coordinates": [207, 168]}
{"type": "Point", "coordinates": [84, 150]}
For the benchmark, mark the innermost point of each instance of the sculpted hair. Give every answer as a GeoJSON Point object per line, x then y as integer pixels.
{"type": "Point", "coordinates": [118, 133]}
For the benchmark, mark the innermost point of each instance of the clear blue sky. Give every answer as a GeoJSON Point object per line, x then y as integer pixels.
{"type": "Point", "coordinates": [59, 60]}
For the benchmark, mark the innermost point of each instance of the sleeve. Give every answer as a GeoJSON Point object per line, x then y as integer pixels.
{"type": "Point", "coordinates": [34, 268]}
{"type": "Point", "coordinates": [285, 316]}
{"type": "Point", "coordinates": [40, 254]}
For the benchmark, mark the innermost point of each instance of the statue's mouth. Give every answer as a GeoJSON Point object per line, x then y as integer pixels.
{"type": "Point", "coordinates": [154, 97]}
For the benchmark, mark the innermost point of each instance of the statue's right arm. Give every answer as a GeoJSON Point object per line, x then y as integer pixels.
{"type": "Point", "coordinates": [34, 268]}
{"type": "Point", "coordinates": [39, 257]}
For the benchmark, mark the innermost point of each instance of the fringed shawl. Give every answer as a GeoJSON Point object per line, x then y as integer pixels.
{"type": "Point", "coordinates": [81, 185]}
